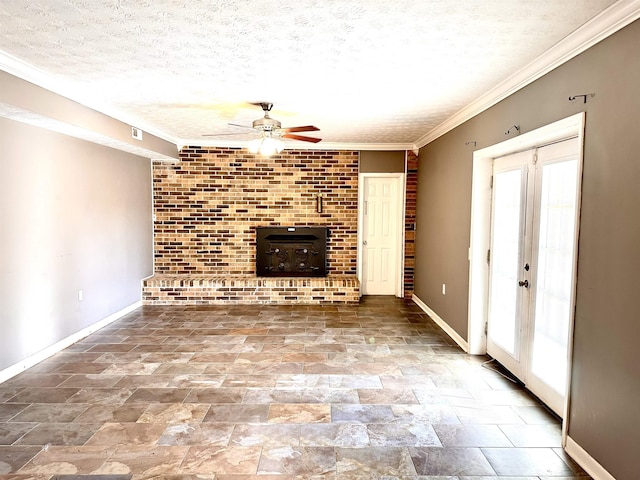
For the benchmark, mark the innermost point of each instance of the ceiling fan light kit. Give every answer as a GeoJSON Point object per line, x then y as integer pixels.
{"type": "Point", "coordinates": [266, 145]}
{"type": "Point", "coordinates": [271, 132]}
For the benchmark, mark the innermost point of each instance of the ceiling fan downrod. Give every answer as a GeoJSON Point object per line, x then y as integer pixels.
{"type": "Point", "coordinates": [266, 124]}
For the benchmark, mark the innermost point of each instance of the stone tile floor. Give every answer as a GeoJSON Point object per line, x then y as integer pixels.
{"type": "Point", "coordinates": [369, 391]}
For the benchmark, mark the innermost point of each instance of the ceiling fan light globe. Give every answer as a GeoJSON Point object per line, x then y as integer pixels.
{"type": "Point", "coordinates": [270, 146]}
{"type": "Point", "coordinates": [267, 151]}
{"type": "Point", "coordinates": [254, 145]}
{"type": "Point", "coordinates": [277, 144]}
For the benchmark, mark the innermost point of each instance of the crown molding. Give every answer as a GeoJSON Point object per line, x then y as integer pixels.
{"type": "Point", "coordinates": [24, 116]}
{"type": "Point", "coordinates": [609, 21]}
{"type": "Point", "coordinates": [29, 73]}
{"type": "Point", "coordinates": [606, 23]}
{"type": "Point", "coordinates": [300, 145]}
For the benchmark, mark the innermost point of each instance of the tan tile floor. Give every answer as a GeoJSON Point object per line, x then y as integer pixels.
{"type": "Point", "coordinates": [373, 391]}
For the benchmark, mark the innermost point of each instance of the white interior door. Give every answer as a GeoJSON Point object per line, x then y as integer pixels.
{"type": "Point", "coordinates": [532, 266]}
{"type": "Point", "coordinates": [381, 247]}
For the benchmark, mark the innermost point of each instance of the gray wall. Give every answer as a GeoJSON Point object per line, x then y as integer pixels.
{"type": "Point", "coordinates": [74, 216]}
{"type": "Point", "coordinates": [604, 418]}
{"type": "Point", "coordinates": [382, 161]}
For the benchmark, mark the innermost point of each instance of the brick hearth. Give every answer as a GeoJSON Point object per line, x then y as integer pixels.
{"type": "Point", "coordinates": [210, 290]}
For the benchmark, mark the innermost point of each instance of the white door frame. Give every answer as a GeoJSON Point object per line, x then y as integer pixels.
{"type": "Point", "coordinates": [400, 213]}
{"type": "Point", "coordinates": [480, 239]}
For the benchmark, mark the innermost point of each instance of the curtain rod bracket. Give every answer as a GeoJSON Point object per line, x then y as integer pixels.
{"type": "Point", "coordinates": [475, 144]}
{"type": "Point", "coordinates": [583, 96]}
{"type": "Point", "coordinates": [516, 127]}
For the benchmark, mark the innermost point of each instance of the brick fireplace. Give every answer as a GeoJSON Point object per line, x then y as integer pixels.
{"type": "Point", "coordinates": [207, 207]}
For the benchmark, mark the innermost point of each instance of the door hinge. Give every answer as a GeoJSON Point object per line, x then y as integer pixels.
{"type": "Point", "coordinates": [488, 256]}
{"type": "Point", "coordinates": [535, 158]}
{"type": "Point", "coordinates": [486, 328]}
{"type": "Point", "coordinates": [491, 182]}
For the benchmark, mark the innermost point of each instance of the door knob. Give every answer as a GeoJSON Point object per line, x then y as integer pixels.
{"type": "Point", "coordinates": [524, 284]}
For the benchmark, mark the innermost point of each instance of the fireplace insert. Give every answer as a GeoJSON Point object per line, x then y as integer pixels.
{"type": "Point", "coordinates": [291, 251]}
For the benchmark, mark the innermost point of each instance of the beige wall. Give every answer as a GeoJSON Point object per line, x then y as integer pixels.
{"type": "Point", "coordinates": [19, 93]}
{"type": "Point", "coordinates": [73, 216]}
{"type": "Point", "coordinates": [382, 161]}
{"type": "Point", "coordinates": [604, 417]}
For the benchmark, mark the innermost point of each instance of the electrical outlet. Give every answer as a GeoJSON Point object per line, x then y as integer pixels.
{"type": "Point", "coordinates": [444, 289]}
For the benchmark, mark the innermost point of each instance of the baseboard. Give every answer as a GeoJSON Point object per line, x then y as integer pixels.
{"type": "Point", "coordinates": [442, 324]}
{"type": "Point", "coordinates": [36, 358]}
{"type": "Point", "coordinates": [586, 461]}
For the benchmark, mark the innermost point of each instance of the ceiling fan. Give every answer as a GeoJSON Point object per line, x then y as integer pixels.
{"type": "Point", "coordinates": [271, 132]}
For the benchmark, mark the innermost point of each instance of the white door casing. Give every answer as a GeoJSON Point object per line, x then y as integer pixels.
{"type": "Point", "coordinates": [380, 236]}
{"type": "Point", "coordinates": [480, 239]}
{"type": "Point", "coordinates": [532, 251]}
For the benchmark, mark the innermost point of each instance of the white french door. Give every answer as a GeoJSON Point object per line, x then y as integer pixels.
{"type": "Point", "coordinates": [532, 265]}
{"type": "Point", "coordinates": [508, 301]}
{"type": "Point", "coordinates": [381, 234]}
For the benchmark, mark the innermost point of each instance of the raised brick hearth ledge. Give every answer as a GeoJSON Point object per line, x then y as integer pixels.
{"type": "Point", "coordinates": [221, 290]}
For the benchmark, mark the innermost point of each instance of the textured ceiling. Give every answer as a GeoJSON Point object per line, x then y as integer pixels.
{"type": "Point", "coordinates": [364, 71]}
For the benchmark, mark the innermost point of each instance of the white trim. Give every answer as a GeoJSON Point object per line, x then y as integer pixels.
{"type": "Point", "coordinates": [18, 114]}
{"type": "Point", "coordinates": [25, 71]}
{"type": "Point", "coordinates": [402, 185]}
{"type": "Point", "coordinates": [51, 350]}
{"type": "Point", "coordinates": [441, 323]}
{"type": "Point", "coordinates": [297, 145]}
{"type": "Point", "coordinates": [480, 238]}
{"type": "Point", "coordinates": [574, 273]}
{"type": "Point", "coordinates": [28, 72]}
{"type": "Point", "coordinates": [586, 461]}
{"type": "Point", "coordinates": [479, 244]}
{"type": "Point", "coordinates": [608, 22]}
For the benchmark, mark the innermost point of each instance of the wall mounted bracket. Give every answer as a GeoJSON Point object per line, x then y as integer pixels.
{"type": "Point", "coordinates": [514, 127]}
{"type": "Point", "coordinates": [583, 96]}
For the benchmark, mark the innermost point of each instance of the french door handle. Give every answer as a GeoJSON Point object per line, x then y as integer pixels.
{"type": "Point", "coordinates": [524, 284]}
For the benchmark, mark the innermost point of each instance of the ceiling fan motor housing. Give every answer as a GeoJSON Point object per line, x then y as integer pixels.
{"type": "Point", "coordinates": [266, 124]}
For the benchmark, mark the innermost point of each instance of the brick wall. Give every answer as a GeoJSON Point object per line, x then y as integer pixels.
{"type": "Point", "coordinates": [410, 222]}
{"type": "Point", "coordinates": [208, 205]}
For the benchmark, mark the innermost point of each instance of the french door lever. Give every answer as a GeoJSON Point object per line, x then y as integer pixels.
{"type": "Point", "coordinates": [524, 284]}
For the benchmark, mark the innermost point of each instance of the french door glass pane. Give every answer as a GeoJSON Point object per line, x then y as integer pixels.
{"type": "Point", "coordinates": [503, 315]}
{"type": "Point", "coordinates": [554, 275]}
